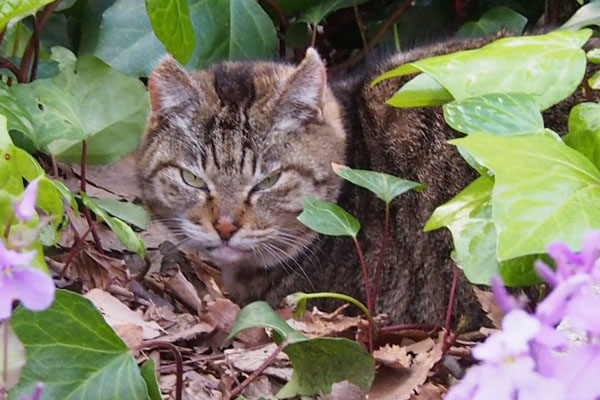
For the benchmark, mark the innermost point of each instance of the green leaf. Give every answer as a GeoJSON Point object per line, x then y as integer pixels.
{"type": "Point", "coordinates": [584, 131]}
{"type": "Point", "coordinates": [321, 9]}
{"type": "Point", "coordinates": [319, 362]}
{"type": "Point", "coordinates": [87, 100]}
{"type": "Point", "coordinates": [594, 55]}
{"type": "Point", "coordinates": [385, 186]}
{"type": "Point", "coordinates": [123, 231]}
{"type": "Point", "coordinates": [420, 91]}
{"type": "Point", "coordinates": [328, 218]}
{"type": "Point", "coordinates": [126, 40]}
{"type": "Point", "coordinates": [128, 212]}
{"type": "Point", "coordinates": [5, 139]}
{"type": "Point", "coordinates": [17, 117]}
{"type": "Point", "coordinates": [72, 350]}
{"type": "Point", "coordinates": [548, 67]}
{"type": "Point", "coordinates": [231, 30]}
{"type": "Point", "coordinates": [18, 8]}
{"type": "Point", "coordinates": [544, 191]}
{"type": "Point", "coordinates": [148, 372]}
{"type": "Point", "coordinates": [173, 26]}
{"type": "Point", "coordinates": [66, 194]}
{"type": "Point", "coordinates": [468, 216]}
{"type": "Point", "coordinates": [492, 21]}
{"type": "Point", "coordinates": [13, 359]}
{"type": "Point", "coordinates": [499, 114]}
{"type": "Point", "coordinates": [584, 16]}
{"type": "Point", "coordinates": [594, 81]}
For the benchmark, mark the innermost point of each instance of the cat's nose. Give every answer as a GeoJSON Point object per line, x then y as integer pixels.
{"type": "Point", "coordinates": [226, 227]}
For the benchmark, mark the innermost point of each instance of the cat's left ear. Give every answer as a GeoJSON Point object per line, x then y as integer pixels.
{"type": "Point", "coordinates": [170, 86]}
{"type": "Point", "coordinates": [302, 96]}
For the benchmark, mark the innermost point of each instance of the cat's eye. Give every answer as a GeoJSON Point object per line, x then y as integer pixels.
{"type": "Point", "coordinates": [268, 182]}
{"type": "Point", "coordinates": [193, 180]}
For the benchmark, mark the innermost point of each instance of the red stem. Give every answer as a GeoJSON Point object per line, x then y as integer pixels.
{"type": "Point", "coordinates": [238, 389]}
{"type": "Point", "coordinates": [86, 212]}
{"type": "Point", "coordinates": [36, 50]}
{"type": "Point", "coordinates": [154, 344]}
{"type": "Point", "coordinates": [408, 327]}
{"type": "Point", "coordinates": [74, 251]}
{"type": "Point", "coordinates": [384, 240]}
{"type": "Point", "coordinates": [449, 336]}
{"type": "Point", "coordinates": [367, 290]}
{"type": "Point", "coordinates": [5, 63]}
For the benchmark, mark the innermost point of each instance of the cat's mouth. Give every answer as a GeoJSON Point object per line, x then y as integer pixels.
{"type": "Point", "coordinates": [226, 254]}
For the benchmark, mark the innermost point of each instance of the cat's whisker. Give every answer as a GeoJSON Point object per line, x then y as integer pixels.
{"type": "Point", "coordinates": [286, 257]}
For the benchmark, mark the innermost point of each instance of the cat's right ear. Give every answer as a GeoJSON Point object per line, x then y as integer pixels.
{"type": "Point", "coordinates": [170, 86]}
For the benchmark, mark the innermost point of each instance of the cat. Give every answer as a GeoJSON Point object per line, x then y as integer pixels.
{"type": "Point", "coordinates": [230, 151]}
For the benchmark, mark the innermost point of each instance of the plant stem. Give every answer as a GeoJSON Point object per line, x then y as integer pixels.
{"type": "Point", "coordinates": [361, 27]}
{"type": "Point", "coordinates": [8, 225]}
{"type": "Point", "coordinates": [313, 41]}
{"type": "Point", "coordinates": [86, 212]}
{"type": "Point", "coordinates": [6, 63]}
{"type": "Point", "coordinates": [448, 337]}
{"type": "Point", "coordinates": [154, 344]}
{"type": "Point", "coordinates": [378, 36]}
{"type": "Point", "coordinates": [369, 315]}
{"type": "Point", "coordinates": [384, 240]}
{"type": "Point", "coordinates": [238, 389]}
{"type": "Point", "coordinates": [74, 251]}
{"type": "Point", "coordinates": [365, 274]}
{"type": "Point", "coordinates": [407, 327]}
{"type": "Point", "coordinates": [589, 94]}
{"type": "Point", "coordinates": [36, 50]}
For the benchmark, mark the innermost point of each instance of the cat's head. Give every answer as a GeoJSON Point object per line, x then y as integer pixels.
{"type": "Point", "coordinates": [230, 151]}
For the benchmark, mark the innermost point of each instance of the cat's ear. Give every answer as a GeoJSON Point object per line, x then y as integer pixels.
{"type": "Point", "coordinates": [302, 95]}
{"type": "Point", "coordinates": [170, 85]}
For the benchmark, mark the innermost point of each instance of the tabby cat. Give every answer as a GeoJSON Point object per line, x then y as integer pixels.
{"type": "Point", "coordinates": [230, 151]}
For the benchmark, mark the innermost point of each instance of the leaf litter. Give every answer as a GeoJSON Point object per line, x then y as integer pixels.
{"type": "Point", "coordinates": [176, 297]}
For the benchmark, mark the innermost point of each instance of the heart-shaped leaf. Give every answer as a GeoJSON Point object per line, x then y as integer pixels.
{"type": "Point", "coordinates": [328, 218]}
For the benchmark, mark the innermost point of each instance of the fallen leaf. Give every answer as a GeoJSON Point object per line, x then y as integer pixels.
{"type": "Point", "coordinates": [118, 314]}
{"type": "Point", "coordinates": [429, 391]}
{"type": "Point", "coordinates": [489, 306]}
{"type": "Point", "coordinates": [131, 334]}
{"type": "Point", "coordinates": [393, 356]}
{"type": "Point", "coordinates": [344, 391]}
{"type": "Point", "coordinates": [249, 360]}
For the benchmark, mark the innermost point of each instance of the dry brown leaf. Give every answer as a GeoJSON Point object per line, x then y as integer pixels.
{"type": "Point", "coordinates": [489, 306]}
{"type": "Point", "coordinates": [393, 384]}
{"type": "Point", "coordinates": [117, 314]}
{"type": "Point", "coordinates": [249, 360]}
{"type": "Point", "coordinates": [260, 387]}
{"type": "Point", "coordinates": [344, 391]}
{"type": "Point", "coordinates": [131, 334]}
{"type": "Point", "coordinates": [190, 333]}
{"type": "Point", "coordinates": [98, 271]}
{"type": "Point", "coordinates": [178, 286]}
{"type": "Point", "coordinates": [429, 391]}
{"type": "Point", "coordinates": [393, 356]}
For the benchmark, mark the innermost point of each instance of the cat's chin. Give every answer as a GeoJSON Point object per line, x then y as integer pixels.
{"type": "Point", "coordinates": [230, 256]}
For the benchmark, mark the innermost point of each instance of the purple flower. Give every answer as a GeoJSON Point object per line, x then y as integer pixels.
{"type": "Point", "coordinates": [19, 281]}
{"type": "Point", "coordinates": [25, 208]}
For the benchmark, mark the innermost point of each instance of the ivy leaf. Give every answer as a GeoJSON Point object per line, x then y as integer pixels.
{"type": "Point", "coordinates": [173, 26]}
{"type": "Point", "coordinates": [584, 131]}
{"type": "Point", "coordinates": [500, 114]}
{"type": "Point", "coordinates": [492, 21]}
{"type": "Point", "coordinates": [506, 66]}
{"type": "Point", "coordinates": [587, 15]}
{"type": "Point", "coordinates": [13, 9]}
{"type": "Point", "coordinates": [88, 101]}
{"type": "Point", "coordinates": [231, 30]}
{"type": "Point", "coordinates": [74, 362]}
{"type": "Point", "coordinates": [420, 91]}
{"type": "Point", "coordinates": [594, 55]}
{"type": "Point", "coordinates": [385, 186]}
{"type": "Point", "coordinates": [544, 191]}
{"type": "Point", "coordinates": [18, 118]}
{"type": "Point", "coordinates": [318, 363]}
{"type": "Point", "coordinates": [321, 9]}
{"type": "Point", "coordinates": [148, 372]}
{"type": "Point", "coordinates": [468, 216]}
{"type": "Point", "coordinates": [123, 231]}
{"type": "Point", "coordinates": [328, 218]}
{"type": "Point", "coordinates": [594, 81]}
{"type": "Point", "coordinates": [128, 212]}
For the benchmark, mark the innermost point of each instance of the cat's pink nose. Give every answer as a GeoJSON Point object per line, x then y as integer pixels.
{"type": "Point", "coordinates": [226, 227]}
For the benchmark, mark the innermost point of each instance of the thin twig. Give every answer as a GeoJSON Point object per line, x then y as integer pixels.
{"type": "Point", "coordinates": [361, 27]}
{"type": "Point", "coordinates": [408, 327]}
{"type": "Point", "coordinates": [154, 344]}
{"type": "Point", "coordinates": [2, 33]}
{"type": "Point", "coordinates": [6, 63]}
{"type": "Point", "coordinates": [378, 36]}
{"type": "Point", "coordinates": [36, 50]}
{"type": "Point", "coordinates": [589, 94]}
{"type": "Point", "coordinates": [238, 389]}
{"type": "Point", "coordinates": [313, 40]}
{"type": "Point", "coordinates": [29, 50]}
{"type": "Point", "coordinates": [384, 240]}
{"type": "Point", "coordinates": [367, 289]}
{"type": "Point", "coordinates": [54, 165]}
{"type": "Point", "coordinates": [8, 225]}
{"type": "Point", "coordinates": [86, 211]}
{"type": "Point", "coordinates": [449, 337]}
{"type": "Point", "coordinates": [74, 251]}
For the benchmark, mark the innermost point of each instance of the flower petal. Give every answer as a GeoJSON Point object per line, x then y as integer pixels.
{"type": "Point", "coordinates": [11, 258]}
{"type": "Point", "coordinates": [34, 288]}
{"type": "Point", "coordinates": [7, 296]}
{"type": "Point", "coordinates": [25, 208]}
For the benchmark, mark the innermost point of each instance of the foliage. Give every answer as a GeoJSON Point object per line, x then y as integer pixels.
{"type": "Point", "coordinates": [318, 362]}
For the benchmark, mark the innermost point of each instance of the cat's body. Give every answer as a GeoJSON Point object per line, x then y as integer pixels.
{"type": "Point", "coordinates": [253, 138]}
